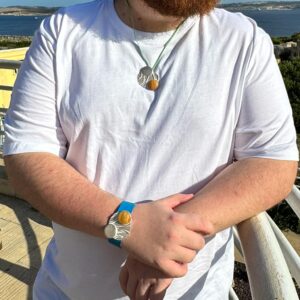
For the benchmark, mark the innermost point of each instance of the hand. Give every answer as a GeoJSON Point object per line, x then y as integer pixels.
{"type": "Point", "coordinates": [141, 282]}
{"type": "Point", "coordinates": [165, 239]}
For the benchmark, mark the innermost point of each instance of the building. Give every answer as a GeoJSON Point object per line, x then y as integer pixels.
{"type": "Point", "coordinates": [288, 50]}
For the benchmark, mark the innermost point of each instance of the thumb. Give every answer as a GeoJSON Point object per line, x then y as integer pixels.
{"type": "Point", "coordinates": [175, 200]}
{"type": "Point", "coordinates": [174, 269]}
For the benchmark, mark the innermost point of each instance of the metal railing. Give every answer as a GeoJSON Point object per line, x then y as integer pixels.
{"type": "Point", "coordinates": [270, 259]}
{"type": "Point", "coordinates": [8, 65]}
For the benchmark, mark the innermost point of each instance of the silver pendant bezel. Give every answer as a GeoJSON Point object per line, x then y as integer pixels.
{"type": "Point", "coordinates": [145, 75]}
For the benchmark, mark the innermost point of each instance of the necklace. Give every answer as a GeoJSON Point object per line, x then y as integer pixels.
{"type": "Point", "coordinates": [147, 76]}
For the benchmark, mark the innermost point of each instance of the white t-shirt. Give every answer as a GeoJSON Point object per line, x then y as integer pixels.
{"type": "Point", "coordinates": [221, 98]}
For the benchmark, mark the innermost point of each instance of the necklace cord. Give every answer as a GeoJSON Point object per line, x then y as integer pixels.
{"type": "Point", "coordinates": [139, 50]}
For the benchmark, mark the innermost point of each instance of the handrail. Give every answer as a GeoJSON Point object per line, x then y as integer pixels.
{"type": "Point", "coordinates": [293, 199]}
{"type": "Point", "coordinates": [10, 64]}
{"type": "Point", "coordinates": [233, 295]}
{"type": "Point", "coordinates": [237, 241]}
{"type": "Point", "coordinates": [291, 257]}
{"type": "Point", "coordinates": [268, 273]}
{"type": "Point", "coordinates": [6, 88]}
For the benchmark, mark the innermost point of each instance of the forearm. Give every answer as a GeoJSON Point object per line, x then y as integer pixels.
{"type": "Point", "coordinates": [242, 190]}
{"type": "Point", "coordinates": [60, 192]}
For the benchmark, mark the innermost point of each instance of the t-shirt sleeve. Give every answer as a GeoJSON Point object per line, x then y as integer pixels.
{"type": "Point", "coordinates": [32, 123]}
{"type": "Point", "coordinates": [265, 126]}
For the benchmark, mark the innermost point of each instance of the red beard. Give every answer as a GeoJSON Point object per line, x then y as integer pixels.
{"type": "Point", "coordinates": [182, 8]}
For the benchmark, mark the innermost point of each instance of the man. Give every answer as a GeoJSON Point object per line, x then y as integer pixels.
{"type": "Point", "coordinates": [125, 102]}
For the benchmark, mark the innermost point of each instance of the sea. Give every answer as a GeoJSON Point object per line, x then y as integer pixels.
{"type": "Point", "coordinates": [19, 25]}
{"type": "Point", "coordinates": [283, 22]}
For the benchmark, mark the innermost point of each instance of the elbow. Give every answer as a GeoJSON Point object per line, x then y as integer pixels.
{"type": "Point", "coordinates": [11, 171]}
{"type": "Point", "coordinates": [16, 171]}
{"type": "Point", "coordinates": [11, 165]}
{"type": "Point", "coordinates": [287, 180]}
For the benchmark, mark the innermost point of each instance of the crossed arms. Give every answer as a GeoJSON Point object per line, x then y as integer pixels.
{"type": "Point", "coordinates": [239, 192]}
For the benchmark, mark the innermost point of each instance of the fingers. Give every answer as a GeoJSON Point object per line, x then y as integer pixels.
{"type": "Point", "coordinates": [183, 255]}
{"type": "Point", "coordinates": [180, 233]}
{"type": "Point", "coordinates": [197, 224]}
{"type": "Point", "coordinates": [131, 287]}
{"type": "Point", "coordinates": [142, 290]}
{"type": "Point", "coordinates": [173, 269]}
{"type": "Point", "coordinates": [175, 200]}
{"type": "Point", "coordinates": [192, 240]}
{"type": "Point", "coordinates": [154, 289]}
{"type": "Point", "coordinates": [123, 278]}
{"type": "Point", "coordinates": [158, 291]}
{"type": "Point", "coordinates": [156, 295]}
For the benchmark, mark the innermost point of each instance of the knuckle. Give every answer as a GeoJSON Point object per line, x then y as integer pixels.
{"type": "Point", "coordinates": [158, 262]}
{"type": "Point", "coordinates": [206, 226]}
{"type": "Point", "coordinates": [174, 218]}
{"type": "Point", "coordinates": [172, 236]}
{"type": "Point", "coordinates": [200, 243]}
{"type": "Point", "coordinates": [189, 257]}
{"type": "Point", "coordinates": [192, 256]}
{"type": "Point", "coordinates": [181, 273]}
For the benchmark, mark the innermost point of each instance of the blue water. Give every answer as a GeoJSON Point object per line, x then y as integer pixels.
{"type": "Point", "coordinates": [274, 22]}
{"type": "Point", "coordinates": [19, 25]}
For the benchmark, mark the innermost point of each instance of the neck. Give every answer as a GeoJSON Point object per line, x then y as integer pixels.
{"type": "Point", "coordinates": [141, 17]}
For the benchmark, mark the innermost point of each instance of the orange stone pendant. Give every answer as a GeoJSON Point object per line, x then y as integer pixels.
{"type": "Point", "coordinates": [152, 85]}
{"type": "Point", "coordinates": [148, 79]}
{"type": "Point", "coordinates": [124, 217]}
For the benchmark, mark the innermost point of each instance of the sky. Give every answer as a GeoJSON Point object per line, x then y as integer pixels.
{"type": "Point", "coordinates": [56, 3]}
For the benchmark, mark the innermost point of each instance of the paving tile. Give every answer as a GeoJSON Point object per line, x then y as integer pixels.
{"type": "Point", "coordinates": [16, 283]}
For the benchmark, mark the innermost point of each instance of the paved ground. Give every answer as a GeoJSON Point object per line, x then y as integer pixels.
{"type": "Point", "coordinates": [24, 235]}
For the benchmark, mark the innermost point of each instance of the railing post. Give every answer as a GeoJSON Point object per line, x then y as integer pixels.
{"type": "Point", "coordinates": [293, 199]}
{"type": "Point", "coordinates": [10, 64]}
{"type": "Point", "coordinates": [291, 257]}
{"type": "Point", "coordinates": [268, 274]}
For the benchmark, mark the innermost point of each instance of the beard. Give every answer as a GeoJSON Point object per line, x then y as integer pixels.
{"type": "Point", "coordinates": [182, 8]}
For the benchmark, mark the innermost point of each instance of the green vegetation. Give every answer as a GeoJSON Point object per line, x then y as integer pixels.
{"type": "Point", "coordinates": [282, 213]}
{"type": "Point", "coordinates": [290, 70]}
{"type": "Point", "coordinates": [10, 42]}
{"type": "Point", "coordinates": [280, 40]}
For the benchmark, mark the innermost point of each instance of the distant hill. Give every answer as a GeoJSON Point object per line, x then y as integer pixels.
{"type": "Point", "coordinates": [27, 10]}
{"type": "Point", "coordinates": [267, 5]}
{"type": "Point", "coordinates": [272, 5]}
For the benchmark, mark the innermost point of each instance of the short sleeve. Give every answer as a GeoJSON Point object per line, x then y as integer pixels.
{"type": "Point", "coordinates": [32, 123]}
{"type": "Point", "coordinates": [265, 126]}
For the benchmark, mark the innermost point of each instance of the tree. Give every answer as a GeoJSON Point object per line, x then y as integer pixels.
{"type": "Point", "coordinates": [290, 70]}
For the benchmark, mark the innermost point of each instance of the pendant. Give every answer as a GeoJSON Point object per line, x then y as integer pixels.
{"type": "Point", "coordinates": [153, 85]}
{"type": "Point", "coordinates": [148, 79]}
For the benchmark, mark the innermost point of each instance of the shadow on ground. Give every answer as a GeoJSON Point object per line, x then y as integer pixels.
{"type": "Point", "coordinates": [24, 213]}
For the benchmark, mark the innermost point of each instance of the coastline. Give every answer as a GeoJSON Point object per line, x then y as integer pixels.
{"type": "Point", "coordinates": [27, 11]}
{"type": "Point", "coordinates": [15, 37]}
{"type": "Point", "coordinates": [25, 14]}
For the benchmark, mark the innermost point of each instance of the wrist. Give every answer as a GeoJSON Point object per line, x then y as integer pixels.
{"type": "Point", "coordinates": [120, 223]}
